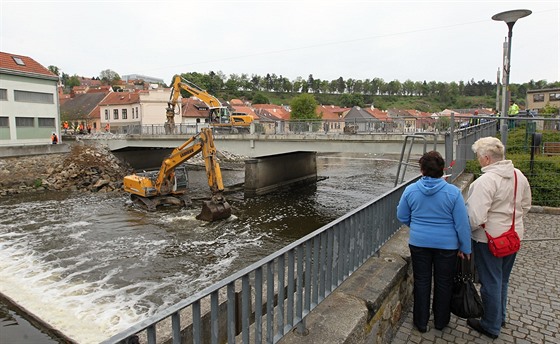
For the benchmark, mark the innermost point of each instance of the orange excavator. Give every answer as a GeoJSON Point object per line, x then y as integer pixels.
{"type": "Point", "coordinates": [168, 186]}
{"type": "Point", "coordinates": [220, 118]}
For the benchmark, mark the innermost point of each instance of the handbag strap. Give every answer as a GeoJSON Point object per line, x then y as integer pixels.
{"type": "Point", "coordinates": [466, 266]}
{"type": "Point", "coordinates": [514, 198]}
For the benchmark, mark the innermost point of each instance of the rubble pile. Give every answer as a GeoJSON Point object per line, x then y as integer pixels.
{"type": "Point", "coordinates": [227, 160]}
{"type": "Point", "coordinates": [86, 168]}
{"type": "Point", "coordinates": [90, 168]}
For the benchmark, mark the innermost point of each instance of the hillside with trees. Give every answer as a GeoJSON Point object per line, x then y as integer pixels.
{"type": "Point", "coordinates": [426, 96]}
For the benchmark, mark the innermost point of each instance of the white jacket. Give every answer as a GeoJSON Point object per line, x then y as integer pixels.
{"type": "Point", "coordinates": [490, 201]}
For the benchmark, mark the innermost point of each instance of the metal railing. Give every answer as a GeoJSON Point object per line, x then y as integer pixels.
{"type": "Point", "coordinates": [310, 127]}
{"type": "Point", "coordinates": [458, 145]}
{"type": "Point", "coordinates": [269, 298]}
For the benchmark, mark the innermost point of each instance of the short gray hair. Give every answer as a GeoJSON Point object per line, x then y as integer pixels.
{"type": "Point", "coordinates": [489, 146]}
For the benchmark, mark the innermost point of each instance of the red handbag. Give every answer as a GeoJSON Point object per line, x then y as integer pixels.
{"type": "Point", "coordinates": [509, 242]}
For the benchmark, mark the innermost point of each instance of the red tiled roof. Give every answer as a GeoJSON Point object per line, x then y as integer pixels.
{"type": "Point", "coordinates": [96, 112]}
{"type": "Point", "coordinates": [194, 108]}
{"type": "Point", "coordinates": [121, 98]}
{"type": "Point", "coordinates": [331, 112]}
{"type": "Point", "coordinates": [244, 109]}
{"type": "Point", "coordinates": [267, 115]}
{"type": "Point", "coordinates": [275, 110]}
{"type": "Point", "coordinates": [379, 114]}
{"type": "Point", "coordinates": [8, 62]}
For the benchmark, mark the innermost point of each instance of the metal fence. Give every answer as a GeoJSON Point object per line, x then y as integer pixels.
{"type": "Point", "coordinates": [458, 144]}
{"type": "Point", "coordinates": [264, 301]}
{"type": "Point", "coordinates": [395, 125]}
{"type": "Point", "coordinates": [532, 143]}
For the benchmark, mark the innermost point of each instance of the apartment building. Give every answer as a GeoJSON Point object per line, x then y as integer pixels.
{"type": "Point", "coordinates": [29, 108]}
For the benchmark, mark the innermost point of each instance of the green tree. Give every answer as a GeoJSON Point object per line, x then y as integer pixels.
{"type": "Point", "coordinates": [233, 84]}
{"type": "Point", "coordinates": [350, 85]}
{"type": "Point", "coordinates": [255, 82]}
{"type": "Point", "coordinates": [408, 87]}
{"type": "Point", "coordinates": [244, 81]}
{"type": "Point", "coordinates": [109, 77]}
{"type": "Point", "coordinates": [340, 85]}
{"type": "Point", "coordinates": [298, 84]}
{"type": "Point", "coordinates": [260, 98]}
{"type": "Point", "coordinates": [303, 107]}
{"type": "Point", "coordinates": [74, 80]}
{"type": "Point", "coordinates": [549, 109]}
{"type": "Point", "coordinates": [54, 69]}
{"type": "Point", "coordinates": [350, 100]}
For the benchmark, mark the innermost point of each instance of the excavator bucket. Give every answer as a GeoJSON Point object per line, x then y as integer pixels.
{"type": "Point", "coordinates": [214, 210]}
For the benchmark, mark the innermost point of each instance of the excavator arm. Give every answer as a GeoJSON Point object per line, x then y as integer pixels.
{"type": "Point", "coordinates": [151, 193]}
{"type": "Point", "coordinates": [179, 84]}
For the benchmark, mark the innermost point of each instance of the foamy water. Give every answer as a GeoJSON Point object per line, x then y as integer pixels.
{"type": "Point", "coordinates": [94, 277]}
{"type": "Point", "coordinates": [93, 265]}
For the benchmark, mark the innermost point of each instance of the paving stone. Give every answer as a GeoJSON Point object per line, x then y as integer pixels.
{"type": "Point", "coordinates": [533, 306]}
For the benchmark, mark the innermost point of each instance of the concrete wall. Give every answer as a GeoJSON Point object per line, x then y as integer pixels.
{"type": "Point", "coordinates": [13, 151]}
{"type": "Point", "coordinates": [270, 173]}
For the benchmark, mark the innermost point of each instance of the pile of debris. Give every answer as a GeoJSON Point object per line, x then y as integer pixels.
{"type": "Point", "coordinates": [87, 168]}
{"type": "Point", "coordinates": [90, 168]}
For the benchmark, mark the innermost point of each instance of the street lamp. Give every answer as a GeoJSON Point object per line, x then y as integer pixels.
{"type": "Point", "coordinates": [509, 17]}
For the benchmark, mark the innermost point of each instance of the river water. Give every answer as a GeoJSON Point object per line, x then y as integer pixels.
{"type": "Point", "coordinates": [92, 265]}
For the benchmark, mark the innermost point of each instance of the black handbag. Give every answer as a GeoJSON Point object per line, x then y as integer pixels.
{"type": "Point", "coordinates": [465, 301]}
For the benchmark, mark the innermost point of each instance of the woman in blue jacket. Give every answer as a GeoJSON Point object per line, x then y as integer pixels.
{"type": "Point", "coordinates": [439, 231]}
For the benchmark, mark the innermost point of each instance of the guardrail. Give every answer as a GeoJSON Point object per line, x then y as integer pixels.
{"type": "Point", "coordinates": [401, 125]}
{"type": "Point", "coordinates": [273, 296]}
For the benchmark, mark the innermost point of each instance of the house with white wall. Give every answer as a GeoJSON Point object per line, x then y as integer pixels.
{"type": "Point", "coordinates": [119, 110]}
{"type": "Point", "coordinates": [153, 104]}
{"type": "Point", "coordinates": [29, 109]}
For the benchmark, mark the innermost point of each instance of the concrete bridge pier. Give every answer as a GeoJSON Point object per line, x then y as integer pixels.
{"type": "Point", "coordinates": [269, 173]}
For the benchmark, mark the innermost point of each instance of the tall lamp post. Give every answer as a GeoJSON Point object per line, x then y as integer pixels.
{"type": "Point", "coordinates": [509, 17]}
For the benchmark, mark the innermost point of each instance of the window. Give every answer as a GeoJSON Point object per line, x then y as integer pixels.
{"type": "Point", "coordinates": [4, 122]}
{"type": "Point", "coordinates": [115, 114]}
{"type": "Point", "coordinates": [554, 97]}
{"type": "Point", "coordinates": [106, 114]}
{"type": "Point", "coordinates": [3, 94]}
{"type": "Point", "coordinates": [33, 97]}
{"type": "Point", "coordinates": [124, 114]}
{"type": "Point", "coordinates": [539, 97]}
{"type": "Point", "coordinates": [28, 122]}
{"type": "Point", "coordinates": [18, 60]}
{"type": "Point", "coordinates": [136, 112]}
{"type": "Point", "coordinates": [46, 122]}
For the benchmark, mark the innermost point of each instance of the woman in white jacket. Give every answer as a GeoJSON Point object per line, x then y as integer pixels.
{"type": "Point", "coordinates": [490, 208]}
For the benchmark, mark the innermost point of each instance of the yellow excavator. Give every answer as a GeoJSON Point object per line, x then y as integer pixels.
{"type": "Point", "coordinates": [219, 117]}
{"type": "Point", "coordinates": [168, 186]}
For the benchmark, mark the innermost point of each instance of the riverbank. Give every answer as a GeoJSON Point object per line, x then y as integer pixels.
{"type": "Point", "coordinates": [91, 168]}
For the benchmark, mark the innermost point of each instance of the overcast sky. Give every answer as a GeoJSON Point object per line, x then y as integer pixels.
{"type": "Point", "coordinates": [417, 40]}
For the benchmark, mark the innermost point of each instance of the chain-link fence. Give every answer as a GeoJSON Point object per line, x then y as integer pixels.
{"type": "Point", "coordinates": [532, 143]}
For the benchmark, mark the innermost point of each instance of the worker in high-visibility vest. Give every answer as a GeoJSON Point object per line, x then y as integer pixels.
{"type": "Point", "coordinates": [512, 112]}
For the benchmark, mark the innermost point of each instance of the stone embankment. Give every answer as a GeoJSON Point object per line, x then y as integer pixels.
{"type": "Point", "coordinates": [91, 168]}
{"type": "Point", "coordinates": [87, 167]}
